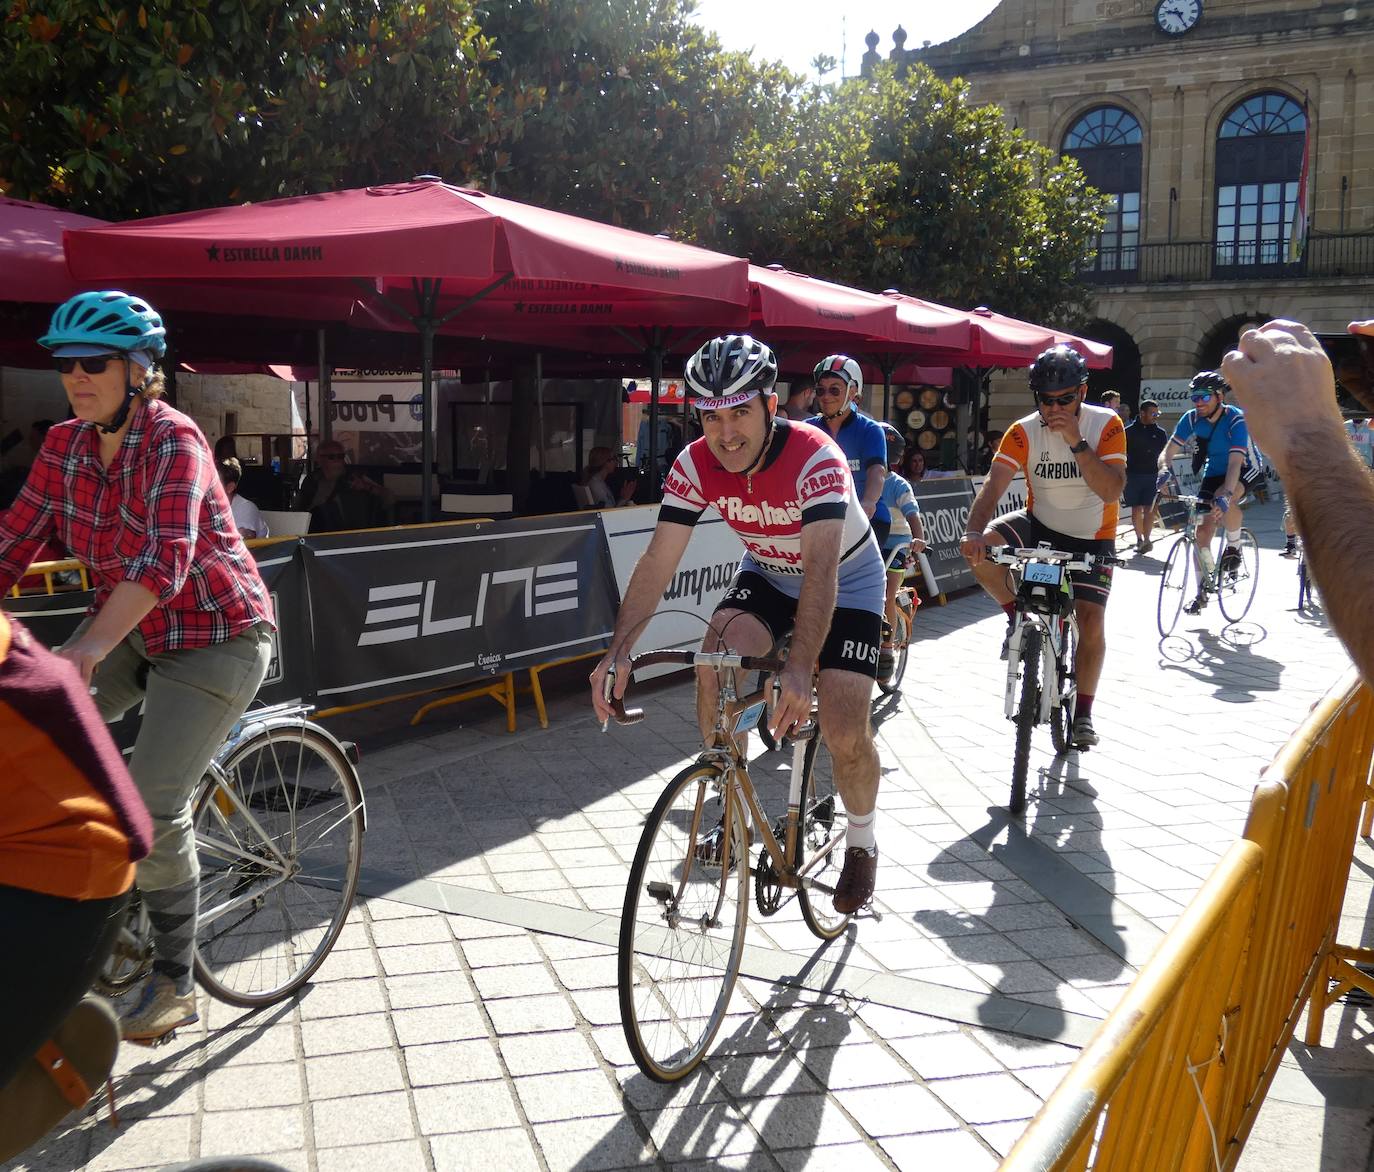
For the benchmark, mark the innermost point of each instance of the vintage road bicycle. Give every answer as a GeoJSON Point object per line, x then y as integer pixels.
{"type": "Point", "coordinates": [279, 821]}
{"type": "Point", "coordinates": [904, 620]}
{"type": "Point", "coordinates": [1185, 577]}
{"type": "Point", "coordinates": [1042, 649]}
{"type": "Point", "coordinates": [686, 908]}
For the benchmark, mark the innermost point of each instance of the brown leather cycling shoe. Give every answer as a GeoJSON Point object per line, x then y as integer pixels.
{"type": "Point", "coordinates": [857, 880]}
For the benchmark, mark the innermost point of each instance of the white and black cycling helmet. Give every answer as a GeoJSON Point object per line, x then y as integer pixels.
{"type": "Point", "coordinates": [729, 371]}
{"type": "Point", "coordinates": [840, 366]}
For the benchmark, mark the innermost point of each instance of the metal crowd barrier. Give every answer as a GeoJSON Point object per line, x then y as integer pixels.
{"type": "Point", "coordinates": [1176, 1075]}
{"type": "Point", "coordinates": [49, 571]}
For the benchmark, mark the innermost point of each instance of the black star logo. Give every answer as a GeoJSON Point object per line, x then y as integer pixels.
{"type": "Point", "coordinates": [213, 252]}
{"type": "Point", "coordinates": [619, 265]}
{"type": "Point", "coordinates": [519, 307]}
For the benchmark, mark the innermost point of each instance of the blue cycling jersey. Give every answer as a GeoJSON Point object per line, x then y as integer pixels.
{"type": "Point", "coordinates": [1219, 437]}
{"type": "Point", "coordinates": [862, 440]}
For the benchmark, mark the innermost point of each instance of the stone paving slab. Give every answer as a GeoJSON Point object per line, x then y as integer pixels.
{"type": "Point", "coordinates": [468, 1017]}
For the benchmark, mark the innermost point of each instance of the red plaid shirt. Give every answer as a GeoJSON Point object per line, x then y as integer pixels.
{"type": "Point", "coordinates": [157, 516]}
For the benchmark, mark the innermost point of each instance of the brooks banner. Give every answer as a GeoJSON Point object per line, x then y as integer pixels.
{"type": "Point", "coordinates": [427, 606]}
{"type": "Point", "coordinates": [945, 507]}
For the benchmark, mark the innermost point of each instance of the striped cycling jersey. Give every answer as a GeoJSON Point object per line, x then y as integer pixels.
{"type": "Point", "coordinates": [804, 478]}
{"type": "Point", "coordinates": [1057, 495]}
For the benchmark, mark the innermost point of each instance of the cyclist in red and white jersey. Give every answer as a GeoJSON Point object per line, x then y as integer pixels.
{"type": "Point", "coordinates": [811, 565]}
{"type": "Point", "coordinates": [1074, 459]}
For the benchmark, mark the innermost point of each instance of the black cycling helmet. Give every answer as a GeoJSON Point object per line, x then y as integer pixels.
{"type": "Point", "coordinates": [896, 444]}
{"type": "Point", "coordinates": [1209, 380]}
{"type": "Point", "coordinates": [729, 371]}
{"type": "Point", "coordinates": [1060, 368]}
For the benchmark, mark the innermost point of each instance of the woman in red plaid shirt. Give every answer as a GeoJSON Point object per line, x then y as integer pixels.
{"type": "Point", "coordinates": [181, 620]}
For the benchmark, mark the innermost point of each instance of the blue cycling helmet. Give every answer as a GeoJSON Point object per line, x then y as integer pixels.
{"type": "Point", "coordinates": [110, 319]}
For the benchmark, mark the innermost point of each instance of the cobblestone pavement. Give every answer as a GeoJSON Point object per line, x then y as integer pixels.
{"type": "Point", "coordinates": [468, 1016]}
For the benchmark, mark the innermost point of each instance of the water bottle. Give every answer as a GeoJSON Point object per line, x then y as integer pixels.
{"type": "Point", "coordinates": [1206, 560]}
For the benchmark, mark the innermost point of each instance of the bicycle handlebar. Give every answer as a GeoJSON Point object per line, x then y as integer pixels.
{"type": "Point", "coordinates": [1008, 555]}
{"type": "Point", "coordinates": [712, 659]}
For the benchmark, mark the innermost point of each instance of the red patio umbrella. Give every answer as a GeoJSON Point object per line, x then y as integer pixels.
{"type": "Point", "coordinates": [423, 250]}
{"type": "Point", "coordinates": [31, 251]}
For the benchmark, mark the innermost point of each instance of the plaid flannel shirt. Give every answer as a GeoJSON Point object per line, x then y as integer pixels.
{"type": "Point", "coordinates": [157, 516]}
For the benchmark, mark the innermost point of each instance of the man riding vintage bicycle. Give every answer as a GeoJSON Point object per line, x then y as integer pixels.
{"type": "Point", "coordinates": [811, 565]}
{"type": "Point", "coordinates": [1074, 459]}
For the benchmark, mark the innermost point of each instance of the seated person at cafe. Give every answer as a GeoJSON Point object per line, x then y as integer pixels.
{"type": "Point", "coordinates": [246, 515]}
{"type": "Point", "coordinates": [600, 464]}
{"type": "Point", "coordinates": [624, 485]}
{"type": "Point", "coordinates": [339, 497]}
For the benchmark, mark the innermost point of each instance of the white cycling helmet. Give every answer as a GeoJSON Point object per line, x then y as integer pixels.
{"type": "Point", "coordinates": [729, 371]}
{"type": "Point", "coordinates": [841, 366]}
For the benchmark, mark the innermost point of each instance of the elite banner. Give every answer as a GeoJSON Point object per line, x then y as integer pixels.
{"type": "Point", "coordinates": [427, 606]}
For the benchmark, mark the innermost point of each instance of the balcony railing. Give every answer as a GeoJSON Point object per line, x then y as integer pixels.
{"type": "Point", "coordinates": [1202, 260]}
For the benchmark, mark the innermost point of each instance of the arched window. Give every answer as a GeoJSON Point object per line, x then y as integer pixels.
{"type": "Point", "coordinates": [1259, 165]}
{"type": "Point", "coordinates": [1106, 144]}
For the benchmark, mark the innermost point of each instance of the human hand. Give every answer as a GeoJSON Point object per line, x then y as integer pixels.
{"type": "Point", "coordinates": [1221, 504]}
{"type": "Point", "coordinates": [1162, 481]}
{"type": "Point", "coordinates": [1066, 427]}
{"type": "Point", "coordinates": [1283, 382]}
{"type": "Point", "coordinates": [793, 705]}
{"type": "Point", "coordinates": [619, 681]}
{"type": "Point", "coordinates": [85, 656]}
{"type": "Point", "coordinates": [974, 547]}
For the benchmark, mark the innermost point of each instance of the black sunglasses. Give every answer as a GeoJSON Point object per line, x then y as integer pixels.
{"type": "Point", "coordinates": [94, 364]}
{"type": "Point", "coordinates": [1058, 400]}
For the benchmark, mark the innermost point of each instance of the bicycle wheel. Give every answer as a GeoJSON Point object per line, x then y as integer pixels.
{"type": "Point", "coordinates": [682, 927]}
{"type": "Point", "coordinates": [1236, 587]}
{"type": "Point", "coordinates": [1061, 715]}
{"type": "Point", "coordinates": [279, 833]}
{"type": "Point", "coordinates": [901, 638]}
{"type": "Point", "coordinates": [1027, 714]}
{"type": "Point", "coordinates": [820, 818]}
{"type": "Point", "coordinates": [1178, 582]}
{"type": "Point", "coordinates": [131, 956]}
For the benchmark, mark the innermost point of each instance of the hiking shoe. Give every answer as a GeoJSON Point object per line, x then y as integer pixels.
{"type": "Point", "coordinates": [887, 662]}
{"type": "Point", "coordinates": [1230, 559]}
{"type": "Point", "coordinates": [710, 848]}
{"type": "Point", "coordinates": [160, 1010]}
{"type": "Point", "coordinates": [1083, 735]}
{"type": "Point", "coordinates": [1198, 605]}
{"type": "Point", "coordinates": [857, 880]}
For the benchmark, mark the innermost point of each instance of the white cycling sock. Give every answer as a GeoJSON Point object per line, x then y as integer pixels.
{"type": "Point", "coordinates": [1233, 538]}
{"type": "Point", "coordinates": [861, 831]}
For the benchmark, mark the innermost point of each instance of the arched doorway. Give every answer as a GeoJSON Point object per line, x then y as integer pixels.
{"type": "Point", "coordinates": [1124, 375]}
{"type": "Point", "coordinates": [1224, 337]}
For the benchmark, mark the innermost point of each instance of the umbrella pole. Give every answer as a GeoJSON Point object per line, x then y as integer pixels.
{"type": "Point", "coordinates": [426, 324]}
{"type": "Point", "coordinates": [655, 378]}
{"type": "Point", "coordinates": [887, 388]}
{"type": "Point", "coordinates": [326, 423]}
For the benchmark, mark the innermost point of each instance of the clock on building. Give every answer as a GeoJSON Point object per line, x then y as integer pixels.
{"type": "Point", "coordinates": [1176, 17]}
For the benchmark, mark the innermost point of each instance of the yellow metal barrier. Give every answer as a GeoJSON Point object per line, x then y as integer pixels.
{"type": "Point", "coordinates": [1176, 1075]}
{"type": "Point", "coordinates": [50, 570]}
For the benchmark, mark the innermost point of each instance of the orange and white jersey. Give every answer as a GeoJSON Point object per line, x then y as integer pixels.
{"type": "Point", "coordinates": [1058, 496]}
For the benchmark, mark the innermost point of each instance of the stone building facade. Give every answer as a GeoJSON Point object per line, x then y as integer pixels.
{"type": "Point", "coordinates": [1196, 117]}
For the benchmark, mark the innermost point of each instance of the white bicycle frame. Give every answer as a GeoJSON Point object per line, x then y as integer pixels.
{"type": "Point", "coordinates": [1051, 628]}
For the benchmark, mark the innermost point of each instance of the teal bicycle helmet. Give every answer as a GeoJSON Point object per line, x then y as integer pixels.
{"type": "Point", "coordinates": [110, 319]}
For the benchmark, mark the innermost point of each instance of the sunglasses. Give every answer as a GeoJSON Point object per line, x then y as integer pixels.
{"type": "Point", "coordinates": [1202, 398]}
{"type": "Point", "coordinates": [1057, 400]}
{"type": "Point", "coordinates": [95, 364]}
{"type": "Point", "coordinates": [831, 392]}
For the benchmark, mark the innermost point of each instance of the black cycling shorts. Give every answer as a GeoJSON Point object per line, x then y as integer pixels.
{"type": "Point", "coordinates": [1024, 531]}
{"type": "Point", "coordinates": [1212, 484]}
{"type": "Point", "coordinates": [851, 645]}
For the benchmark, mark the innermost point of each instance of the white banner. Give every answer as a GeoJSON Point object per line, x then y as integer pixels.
{"type": "Point", "coordinates": [1170, 393]}
{"type": "Point", "coordinates": [708, 566]}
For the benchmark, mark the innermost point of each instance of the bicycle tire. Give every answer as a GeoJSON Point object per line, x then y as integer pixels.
{"type": "Point", "coordinates": [1236, 590]}
{"type": "Point", "coordinates": [1027, 714]}
{"type": "Point", "coordinates": [681, 929]}
{"type": "Point", "coordinates": [902, 641]}
{"type": "Point", "coordinates": [131, 955]}
{"type": "Point", "coordinates": [288, 795]}
{"type": "Point", "coordinates": [820, 816]}
{"type": "Point", "coordinates": [1061, 715]}
{"type": "Point", "coordinates": [1179, 571]}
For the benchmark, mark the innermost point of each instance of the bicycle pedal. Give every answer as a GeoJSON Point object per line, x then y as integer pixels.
{"type": "Point", "coordinates": [662, 892]}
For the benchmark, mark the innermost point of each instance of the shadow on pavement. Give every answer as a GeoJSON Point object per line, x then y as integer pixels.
{"type": "Point", "coordinates": [1232, 667]}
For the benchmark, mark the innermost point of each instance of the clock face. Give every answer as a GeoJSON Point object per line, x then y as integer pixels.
{"type": "Point", "coordinates": [1176, 17]}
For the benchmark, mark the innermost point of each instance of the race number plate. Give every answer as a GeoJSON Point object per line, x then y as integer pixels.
{"type": "Point", "coordinates": [1047, 574]}
{"type": "Point", "coordinates": [750, 717]}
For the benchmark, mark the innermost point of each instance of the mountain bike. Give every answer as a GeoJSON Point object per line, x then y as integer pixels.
{"type": "Point", "coordinates": [1186, 574]}
{"type": "Point", "coordinates": [1042, 649]}
{"type": "Point", "coordinates": [279, 821]}
{"type": "Point", "coordinates": [687, 902]}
